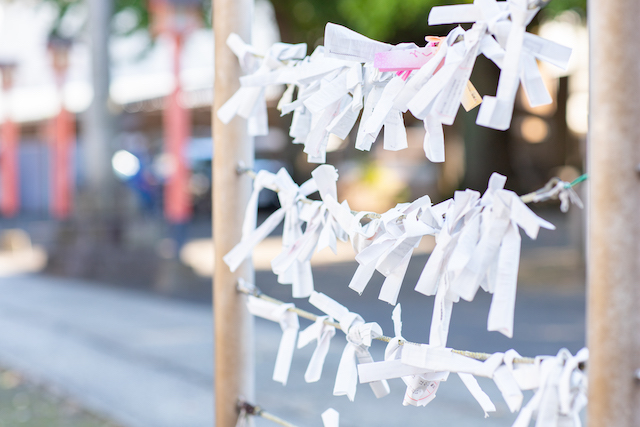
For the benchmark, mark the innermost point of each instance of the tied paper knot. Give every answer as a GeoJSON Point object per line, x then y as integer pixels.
{"type": "Point", "coordinates": [322, 334]}
{"type": "Point", "coordinates": [288, 322]}
{"type": "Point", "coordinates": [506, 42]}
{"type": "Point", "coordinates": [331, 418]}
{"type": "Point", "coordinates": [293, 264]}
{"type": "Point", "coordinates": [478, 246]}
{"type": "Point", "coordinates": [391, 249]}
{"type": "Point", "coordinates": [422, 387]}
{"type": "Point", "coordinates": [561, 392]}
{"type": "Point", "coordinates": [296, 272]}
{"type": "Point", "coordinates": [359, 336]}
{"type": "Point", "coordinates": [249, 101]}
{"type": "Point", "coordinates": [443, 360]}
{"type": "Point", "coordinates": [422, 384]}
{"type": "Point", "coordinates": [353, 73]}
{"type": "Point", "coordinates": [564, 192]}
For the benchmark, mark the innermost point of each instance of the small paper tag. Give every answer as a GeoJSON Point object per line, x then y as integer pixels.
{"type": "Point", "coordinates": [470, 97]}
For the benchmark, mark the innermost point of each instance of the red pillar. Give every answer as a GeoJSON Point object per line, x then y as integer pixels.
{"type": "Point", "coordinates": [9, 193]}
{"type": "Point", "coordinates": [63, 136]}
{"type": "Point", "coordinates": [177, 130]}
{"type": "Point", "coordinates": [62, 181]}
{"type": "Point", "coordinates": [9, 136]}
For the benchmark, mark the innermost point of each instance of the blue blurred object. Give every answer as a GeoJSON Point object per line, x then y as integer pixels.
{"type": "Point", "coordinates": [145, 175]}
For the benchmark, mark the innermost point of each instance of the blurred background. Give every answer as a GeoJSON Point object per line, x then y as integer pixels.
{"type": "Point", "coordinates": [106, 148]}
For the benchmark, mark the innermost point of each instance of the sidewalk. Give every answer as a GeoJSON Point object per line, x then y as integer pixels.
{"type": "Point", "coordinates": [140, 360]}
{"type": "Point", "coordinates": [144, 361]}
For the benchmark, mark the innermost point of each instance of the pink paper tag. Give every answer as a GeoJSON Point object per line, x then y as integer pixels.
{"type": "Point", "coordinates": [405, 60]}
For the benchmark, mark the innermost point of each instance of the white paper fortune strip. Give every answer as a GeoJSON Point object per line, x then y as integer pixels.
{"type": "Point", "coordinates": [561, 394]}
{"type": "Point", "coordinates": [331, 418]}
{"type": "Point", "coordinates": [359, 336]}
{"type": "Point", "coordinates": [288, 322]}
{"type": "Point", "coordinates": [421, 387]}
{"type": "Point", "coordinates": [478, 246]}
{"type": "Point", "coordinates": [560, 390]}
{"type": "Point", "coordinates": [559, 382]}
{"type": "Point", "coordinates": [322, 334]}
{"type": "Point", "coordinates": [291, 270]}
{"type": "Point", "coordinates": [478, 242]}
{"type": "Point", "coordinates": [353, 73]}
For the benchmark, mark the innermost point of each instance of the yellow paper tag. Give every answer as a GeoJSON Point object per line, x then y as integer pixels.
{"type": "Point", "coordinates": [470, 97]}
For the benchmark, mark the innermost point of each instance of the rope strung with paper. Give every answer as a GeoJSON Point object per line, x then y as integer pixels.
{"type": "Point", "coordinates": [478, 242]}
{"type": "Point", "coordinates": [559, 381]}
{"type": "Point", "coordinates": [352, 73]}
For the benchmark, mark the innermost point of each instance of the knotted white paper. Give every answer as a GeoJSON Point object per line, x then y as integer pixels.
{"type": "Point", "coordinates": [561, 190]}
{"type": "Point", "coordinates": [507, 384]}
{"type": "Point", "coordinates": [359, 337]}
{"type": "Point", "coordinates": [288, 322]}
{"type": "Point", "coordinates": [294, 271]}
{"type": "Point", "coordinates": [422, 387]}
{"type": "Point", "coordinates": [353, 73]}
{"type": "Point", "coordinates": [331, 418]}
{"type": "Point", "coordinates": [322, 334]}
{"type": "Point", "coordinates": [478, 246]}
{"type": "Point", "coordinates": [506, 42]}
{"type": "Point", "coordinates": [478, 243]}
{"type": "Point", "coordinates": [561, 394]}
{"type": "Point", "coordinates": [249, 101]}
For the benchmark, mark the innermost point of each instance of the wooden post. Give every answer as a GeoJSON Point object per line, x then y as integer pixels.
{"type": "Point", "coordinates": [613, 318]}
{"type": "Point", "coordinates": [234, 365]}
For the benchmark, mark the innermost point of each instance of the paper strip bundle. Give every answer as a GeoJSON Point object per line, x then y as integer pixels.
{"type": "Point", "coordinates": [478, 243]}
{"type": "Point", "coordinates": [559, 382]}
{"type": "Point", "coordinates": [352, 74]}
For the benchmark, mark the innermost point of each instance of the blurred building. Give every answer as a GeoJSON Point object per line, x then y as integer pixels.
{"type": "Point", "coordinates": [141, 78]}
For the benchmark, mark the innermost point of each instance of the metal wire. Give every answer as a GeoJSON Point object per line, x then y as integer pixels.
{"type": "Point", "coordinates": [257, 411]}
{"type": "Point", "coordinates": [527, 198]}
{"type": "Point", "coordinates": [254, 291]}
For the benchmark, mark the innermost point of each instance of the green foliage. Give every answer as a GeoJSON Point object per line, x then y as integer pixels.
{"type": "Point", "coordinates": [558, 6]}
{"type": "Point", "coordinates": [384, 20]}
{"type": "Point", "coordinates": [139, 7]}
{"type": "Point", "coordinates": [304, 20]}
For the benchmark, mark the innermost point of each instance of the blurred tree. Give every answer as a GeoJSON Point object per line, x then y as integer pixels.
{"type": "Point", "coordinates": [304, 20]}
{"type": "Point", "coordinates": [392, 22]}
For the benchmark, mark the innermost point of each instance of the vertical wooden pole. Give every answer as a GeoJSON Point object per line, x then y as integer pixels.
{"type": "Point", "coordinates": [613, 314]}
{"type": "Point", "coordinates": [233, 324]}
